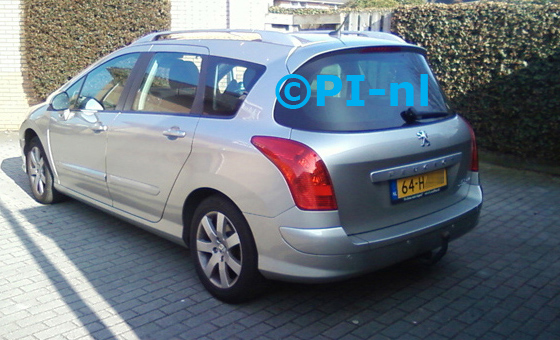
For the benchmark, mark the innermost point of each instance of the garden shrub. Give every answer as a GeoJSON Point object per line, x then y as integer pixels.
{"type": "Point", "coordinates": [499, 64]}
{"type": "Point", "coordinates": [64, 36]}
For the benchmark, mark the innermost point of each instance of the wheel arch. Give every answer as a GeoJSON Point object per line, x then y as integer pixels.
{"type": "Point", "coordinates": [192, 202]}
{"type": "Point", "coordinates": [28, 135]}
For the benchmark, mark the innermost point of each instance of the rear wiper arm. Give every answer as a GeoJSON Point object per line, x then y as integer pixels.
{"type": "Point", "coordinates": [410, 115]}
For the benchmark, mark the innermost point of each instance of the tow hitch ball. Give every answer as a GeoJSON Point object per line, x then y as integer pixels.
{"type": "Point", "coordinates": [443, 249]}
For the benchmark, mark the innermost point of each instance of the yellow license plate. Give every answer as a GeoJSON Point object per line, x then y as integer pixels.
{"type": "Point", "coordinates": [412, 187]}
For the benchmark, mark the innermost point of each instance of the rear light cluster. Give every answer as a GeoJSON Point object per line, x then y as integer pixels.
{"type": "Point", "coordinates": [474, 148]}
{"type": "Point", "coordinates": [305, 172]}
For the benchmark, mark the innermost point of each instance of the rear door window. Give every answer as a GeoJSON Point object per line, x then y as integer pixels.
{"type": "Point", "coordinates": [399, 77]}
{"type": "Point", "coordinates": [169, 84]}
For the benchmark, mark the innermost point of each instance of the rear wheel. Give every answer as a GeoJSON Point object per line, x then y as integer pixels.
{"type": "Point", "coordinates": [40, 174]}
{"type": "Point", "coordinates": [224, 251]}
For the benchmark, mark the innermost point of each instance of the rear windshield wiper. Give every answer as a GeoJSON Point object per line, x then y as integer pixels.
{"type": "Point", "coordinates": [410, 115]}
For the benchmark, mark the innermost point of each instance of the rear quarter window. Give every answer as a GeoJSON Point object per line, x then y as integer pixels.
{"type": "Point", "coordinates": [228, 82]}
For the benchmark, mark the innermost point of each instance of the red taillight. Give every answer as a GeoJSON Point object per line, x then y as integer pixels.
{"type": "Point", "coordinates": [474, 149]}
{"type": "Point", "coordinates": [304, 171]}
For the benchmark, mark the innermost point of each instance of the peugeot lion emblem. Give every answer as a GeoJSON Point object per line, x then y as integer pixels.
{"type": "Point", "coordinates": [423, 136]}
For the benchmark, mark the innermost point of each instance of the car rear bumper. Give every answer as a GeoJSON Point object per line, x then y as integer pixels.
{"type": "Point", "coordinates": [328, 254]}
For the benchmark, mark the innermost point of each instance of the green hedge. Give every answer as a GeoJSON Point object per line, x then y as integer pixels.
{"type": "Point", "coordinates": [500, 65]}
{"type": "Point", "coordinates": [364, 4]}
{"type": "Point", "coordinates": [304, 11]}
{"type": "Point", "coordinates": [64, 36]}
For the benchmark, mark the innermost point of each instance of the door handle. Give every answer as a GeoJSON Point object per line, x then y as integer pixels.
{"type": "Point", "coordinates": [99, 127]}
{"type": "Point", "coordinates": [174, 132]}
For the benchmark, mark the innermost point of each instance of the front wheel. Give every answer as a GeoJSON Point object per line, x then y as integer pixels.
{"type": "Point", "coordinates": [40, 174]}
{"type": "Point", "coordinates": [224, 251]}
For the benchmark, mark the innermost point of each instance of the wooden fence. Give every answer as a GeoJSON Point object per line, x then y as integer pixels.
{"type": "Point", "coordinates": [379, 21]}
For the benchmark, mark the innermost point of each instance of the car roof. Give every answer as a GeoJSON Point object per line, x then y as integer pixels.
{"type": "Point", "coordinates": [293, 39]}
{"type": "Point", "coordinates": [296, 46]}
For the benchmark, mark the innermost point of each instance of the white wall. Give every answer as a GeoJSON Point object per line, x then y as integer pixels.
{"type": "Point", "coordinates": [218, 14]}
{"type": "Point", "coordinates": [13, 100]}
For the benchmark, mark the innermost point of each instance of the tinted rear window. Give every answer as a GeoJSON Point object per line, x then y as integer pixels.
{"type": "Point", "coordinates": [379, 68]}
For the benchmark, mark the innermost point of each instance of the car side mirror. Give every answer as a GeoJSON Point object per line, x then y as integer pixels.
{"type": "Point", "coordinates": [60, 102]}
{"type": "Point", "coordinates": [91, 104]}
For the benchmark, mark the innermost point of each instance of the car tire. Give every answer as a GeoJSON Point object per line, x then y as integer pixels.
{"type": "Point", "coordinates": [40, 174]}
{"type": "Point", "coordinates": [224, 251]}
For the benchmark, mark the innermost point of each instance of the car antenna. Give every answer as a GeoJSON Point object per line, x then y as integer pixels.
{"type": "Point", "coordinates": [338, 32]}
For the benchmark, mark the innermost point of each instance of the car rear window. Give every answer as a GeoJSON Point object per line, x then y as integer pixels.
{"type": "Point", "coordinates": [379, 67]}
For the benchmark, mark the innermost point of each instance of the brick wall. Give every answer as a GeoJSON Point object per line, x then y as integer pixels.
{"type": "Point", "coordinates": [13, 100]}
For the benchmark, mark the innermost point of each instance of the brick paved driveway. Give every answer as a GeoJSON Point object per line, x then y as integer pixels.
{"type": "Point", "coordinates": [70, 271]}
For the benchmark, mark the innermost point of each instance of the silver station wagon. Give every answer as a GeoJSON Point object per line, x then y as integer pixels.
{"type": "Point", "coordinates": [307, 157]}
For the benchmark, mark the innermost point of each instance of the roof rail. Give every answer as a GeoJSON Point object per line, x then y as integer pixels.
{"type": "Point", "coordinates": [223, 34]}
{"type": "Point", "coordinates": [367, 34]}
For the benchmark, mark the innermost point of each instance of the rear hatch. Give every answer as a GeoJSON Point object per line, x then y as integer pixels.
{"type": "Point", "coordinates": [394, 154]}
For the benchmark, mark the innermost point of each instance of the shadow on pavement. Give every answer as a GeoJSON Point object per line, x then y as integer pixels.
{"type": "Point", "coordinates": [151, 284]}
{"type": "Point", "coordinates": [56, 277]}
{"type": "Point", "coordinates": [12, 168]}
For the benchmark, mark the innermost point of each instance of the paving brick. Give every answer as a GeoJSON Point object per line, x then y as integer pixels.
{"type": "Point", "coordinates": [369, 329]}
{"type": "Point", "coordinates": [492, 336]}
{"type": "Point", "coordinates": [536, 302]}
{"type": "Point", "coordinates": [200, 319]}
{"type": "Point", "coordinates": [451, 329]}
{"type": "Point", "coordinates": [522, 314]}
{"type": "Point", "coordinates": [309, 318]}
{"type": "Point", "coordinates": [283, 332]}
{"type": "Point", "coordinates": [281, 319]}
{"type": "Point", "coordinates": [339, 330]}
{"type": "Point", "coordinates": [255, 332]}
{"type": "Point", "coordinates": [397, 329]}
{"type": "Point", "coordinates": [411, 304]}
{"type": "Point", "coordinates": [437, 304]}
{"type": "Point", "coordinates": [312, 331]}
{"type": "Point", "coordinates": [23, 332]}
{"type": "Point", "coordinates": [479, 328]}
{"type": "Point", "coordinates": [143, 319]}
{"type": "Point", "coordinates": [229, 318]}
{"type": "Point", "coordinates": [506, 327]}
{"type": "Point", "coordinates": [350, 337]}
{"type": "Point", "coordinates": [255, 318]}
{"type": "Point", "coordinates": [534, 327]}
{"type": "Point", "coordinates": [424, 329]}
{"type": "Point", "coordinates": [55, 331]}
{"type": "Point", "coordinates": [148, 307]}
{"type": "Point", "coordinates": [391, 317]}
{"type": "Point", "coordinates": [496, 315]}
{"type": "Point", "coordinates": [418, 316]}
